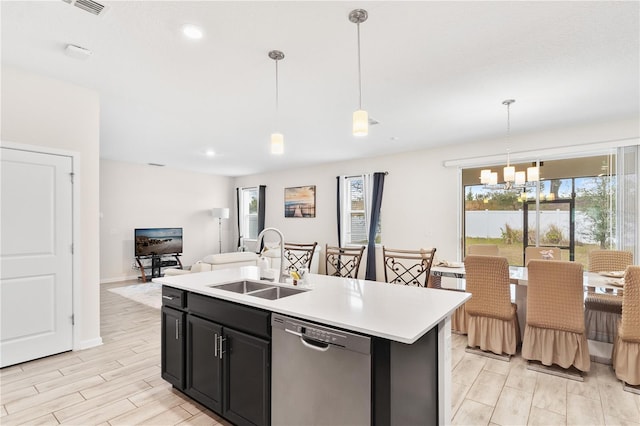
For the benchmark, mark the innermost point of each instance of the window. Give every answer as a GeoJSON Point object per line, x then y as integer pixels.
{"type": "Point", "coordinates": [356, 200]}
{"type": "Point", "coordinates": [249, 213]}
{"type": "Point", "coordinates": [575, 210]}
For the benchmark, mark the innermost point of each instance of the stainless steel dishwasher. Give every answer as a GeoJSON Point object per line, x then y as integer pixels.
{"type": "Point", "coordinates": [319, 375]}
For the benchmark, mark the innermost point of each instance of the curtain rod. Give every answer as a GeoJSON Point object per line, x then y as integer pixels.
{"type": "Point", "coordinates": [352, 176]}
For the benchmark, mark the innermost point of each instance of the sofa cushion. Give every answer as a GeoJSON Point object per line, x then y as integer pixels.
{"type": "Point", "coordinates": [234, 257]}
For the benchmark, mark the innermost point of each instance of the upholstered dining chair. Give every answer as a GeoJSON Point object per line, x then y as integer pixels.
{"type": "Point", "coordinates": [626, 350]}
{"type": "Point", "coordinates": [554, 333]}
{"type": "Point", "coordinates": [408, 267]}
{"type": "Point", "coordinates": [543, 253]}
{"type": "Point", "coordinates": [483, 249]}
{"type": "Point", "coordinates": [343, 261]}
{"type": "Point", "coordinates": [299, 255]}
{"type": "Point", "coordinates": [492, 322]}
{"type": "Point", "coordinates": [602, 311]}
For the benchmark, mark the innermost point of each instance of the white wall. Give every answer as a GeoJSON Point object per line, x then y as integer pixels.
{"type": "Point", "coordinates": [142, 196]}
{"type": "Point", "coordinates": [420, 202]}
{"type": "Point", "coordinates": [44, 112]}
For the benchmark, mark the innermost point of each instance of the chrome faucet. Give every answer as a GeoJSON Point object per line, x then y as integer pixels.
{"type": "Point", "coordinates": [283, 275]}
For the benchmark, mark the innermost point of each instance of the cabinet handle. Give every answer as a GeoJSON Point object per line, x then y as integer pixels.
{"type": "Point", "coordinates": [220, 349]}
{"type": "Point", "coordinates": [177, 329]}
{"type": "Point", "coordinates": [215, 346]}
{"type": "Point", "coordinates": [167, 297]}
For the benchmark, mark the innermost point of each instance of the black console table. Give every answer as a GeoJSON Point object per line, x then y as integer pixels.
{"type": "Point", "coordinates": [157, 263]}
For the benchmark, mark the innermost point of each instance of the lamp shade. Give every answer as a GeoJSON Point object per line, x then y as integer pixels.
{"type": "Point", "coordinates": [493, 179]}
{"type": "Point", "coordinates": [520, 178]}
{"type": "Point", "coordinates": [533, 174]}
{"type": "Point", "coordinates": [220, 212]}
{"type": "Point", "coordinates": [485, 176]}
{"type": "Point", "coordinates": [360, 123]}
{"type": "Point", "coordinates": [509, 173]}
{"type": "Point", "coordinates": [277, 143]}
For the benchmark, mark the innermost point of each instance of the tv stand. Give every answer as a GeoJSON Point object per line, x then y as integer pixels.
{"type": "Point", "coordinates": [157, 263]}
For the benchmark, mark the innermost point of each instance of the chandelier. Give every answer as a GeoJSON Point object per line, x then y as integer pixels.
{"type": "Point", "coordinates": [277, 139]}
{"type": "Point", "coordinates": [512, 179]}
{"type": "Point", "coordinates": [360, 116]}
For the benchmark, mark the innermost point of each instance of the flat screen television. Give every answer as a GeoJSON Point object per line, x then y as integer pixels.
{"type": "Point", "coordinates": [158, 241]}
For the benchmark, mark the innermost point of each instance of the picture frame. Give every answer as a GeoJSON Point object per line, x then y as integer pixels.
{"type": "Point", "coordinates": [300, 201]}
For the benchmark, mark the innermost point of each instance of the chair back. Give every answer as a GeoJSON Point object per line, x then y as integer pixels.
{"type": "Point", "coordinates": [408, 267]}
{"type": "Point", "coordinates": [343, 261]}
{"type": "Point", "coordinates": [488, 280]}
{"type": "Point", "coordinates": [483, 249]}
{"type": "Point", "coordinates": [543, 253]}
{"type": "Point", "coordinates": [555, 295]}
{"type": "Point", "coordinates": [609, 260]}
{"type": "Point", "coordinates": [299, 255]}
{"type": "Point", "coordinates": [630, 324]}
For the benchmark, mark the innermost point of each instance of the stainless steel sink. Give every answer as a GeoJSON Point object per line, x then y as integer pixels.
{"type": "Point", "coordinates": [243, 286]}
{"type": "Point", "coordinates": [265, 291]}
{"type": "Point", "coordinates": [274, 293]}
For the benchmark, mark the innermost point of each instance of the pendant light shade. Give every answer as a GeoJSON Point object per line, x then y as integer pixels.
{"type": "Point", "coordinates": [277, 138]}
{"type": "Point", "coordinates": [360, 116]}
{"type": "Point", "coordinates": [277, 143]}
{"type": "Point", "coordinates": [360, 123]}
{"type": "Point", "coordinates": [533, 174]}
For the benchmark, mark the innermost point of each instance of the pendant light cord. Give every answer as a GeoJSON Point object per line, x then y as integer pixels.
{"type": "Point", "coordinates": [359, 71]}
{"type": "Point", "coordinates": [277, 100]}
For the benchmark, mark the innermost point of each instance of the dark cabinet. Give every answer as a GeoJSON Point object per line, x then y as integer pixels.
{"type": "Point", "coordinates": [218, 353]}
{"type": "Point", "coordinates": [172, 344]}
{"type": "Point", "coordinates": [247, 381]}
{"type": "Point", "coordinates": [204, 364]}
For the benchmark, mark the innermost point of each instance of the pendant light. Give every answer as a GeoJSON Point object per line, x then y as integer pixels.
{"type": "Point", "coordinates": [512, 178]}
{"type": "Point", "coordinates": [277, 139]}
{"type": "Point", "coordinates": [360, 117]}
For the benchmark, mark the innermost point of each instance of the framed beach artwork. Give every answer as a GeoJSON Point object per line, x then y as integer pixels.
{"type": "Point", "coordinates": [300, 201]}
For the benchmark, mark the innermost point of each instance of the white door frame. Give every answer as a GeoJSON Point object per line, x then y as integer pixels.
{"type": "Point", "coordinates": [77, 249]}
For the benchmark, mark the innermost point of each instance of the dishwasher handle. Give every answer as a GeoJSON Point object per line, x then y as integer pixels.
{"type": "Point", "coordinates": [310, 343]}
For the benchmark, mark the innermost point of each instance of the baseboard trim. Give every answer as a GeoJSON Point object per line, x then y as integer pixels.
{"type": "Point", "coordinates": [86, 344]}
{"type": "Point", "coordinates": [630, 388]}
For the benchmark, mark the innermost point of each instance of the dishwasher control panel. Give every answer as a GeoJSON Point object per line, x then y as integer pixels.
{"type": "Point", "coordinates": [319, 333]}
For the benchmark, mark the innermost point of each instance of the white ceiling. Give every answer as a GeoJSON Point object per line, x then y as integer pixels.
{"type": "Point", "coordinates": [433, 73]}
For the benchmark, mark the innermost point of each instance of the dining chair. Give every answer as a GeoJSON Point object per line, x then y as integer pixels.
{"type": "Point", "coordinates": [543, 253]}
{"type": "Point", "coordinates": [602, 311]}
{"type": "Point", "coordinates": [483, 249]}
{"type": "Point", "coordinates": [408, 267]}
{"type": "Point", "coordinates": [492, 322]}
{"type": "Point", "coordinates": [343, 261]}
{"type": "Point", "coordinates": [554, 332]}
{"type": "Point", "coordinates": [626, 349]}
{"type": "Point", "coordinates": [299, 255]}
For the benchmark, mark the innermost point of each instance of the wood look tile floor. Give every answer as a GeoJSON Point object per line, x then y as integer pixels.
{"type": "Point", "coordinates": [119, 383]}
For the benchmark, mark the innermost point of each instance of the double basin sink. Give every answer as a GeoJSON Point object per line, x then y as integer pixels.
{"type": "Point", "coordinates": [262, 290]}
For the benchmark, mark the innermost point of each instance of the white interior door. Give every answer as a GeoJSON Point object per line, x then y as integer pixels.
{"type": "Point", "coordinates": [36, 281]}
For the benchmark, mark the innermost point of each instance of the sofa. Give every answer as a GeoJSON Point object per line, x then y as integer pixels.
{"type": "Point", "coordinates": [213, 262]}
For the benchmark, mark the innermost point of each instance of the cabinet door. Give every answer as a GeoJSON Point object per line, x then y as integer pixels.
{"type": "Point", "coordinates": [247, 379]}
{"type": "Point", "coordinates": [204, 364]}
{"type": "Point", "coordinates": [172, 359]}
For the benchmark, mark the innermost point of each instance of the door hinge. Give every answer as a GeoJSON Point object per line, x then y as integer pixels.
{"type": "Point", "coordinates": [72, 175]}
{"type": "Point", "coordinates": [73, 319]}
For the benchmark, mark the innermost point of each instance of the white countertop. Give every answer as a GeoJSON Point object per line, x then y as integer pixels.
{"type": "Point", "coordinates": [394, 312]}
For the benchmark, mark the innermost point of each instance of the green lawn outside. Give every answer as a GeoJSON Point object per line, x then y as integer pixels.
{"type": "Point", "coordinates": [513, 252]}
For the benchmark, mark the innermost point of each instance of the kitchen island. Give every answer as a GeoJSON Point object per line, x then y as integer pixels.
{"type": "Point", "coordinates": [408, 365]}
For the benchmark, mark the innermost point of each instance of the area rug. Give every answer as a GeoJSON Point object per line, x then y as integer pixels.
{"type": "Point", "coordinates": [149, 294]}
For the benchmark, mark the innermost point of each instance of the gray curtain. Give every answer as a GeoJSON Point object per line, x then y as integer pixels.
{"type": "Point", "coordinates": [339, 210]}
{"type": "Point", "coordinates": [376, 204]}
{"type": "Point", "coordinates": [261, 210]}
{"type": "Point", "coordinates": [238, 192]}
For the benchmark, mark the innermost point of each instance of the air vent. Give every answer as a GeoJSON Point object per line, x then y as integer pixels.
{"type": "Point", "coordinates": [90, 6]}
{"type": "Point", "coordinates": [156, 164]}
{"type": "Point", "coordinates": [373, 121]}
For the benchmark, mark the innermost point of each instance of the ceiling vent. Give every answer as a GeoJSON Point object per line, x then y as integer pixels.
{"type": "Point", "coordinates": [373, 121]}
{"type": "Point", "coordinates": [90, 6]}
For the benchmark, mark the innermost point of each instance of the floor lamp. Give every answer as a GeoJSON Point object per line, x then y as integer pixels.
{"type": "Point", "coordinates": [220, 213]}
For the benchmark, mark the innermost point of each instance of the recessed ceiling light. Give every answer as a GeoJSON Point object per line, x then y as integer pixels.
{"type": "Point", "coordinates": [210, 153]}
{"type": "Point", "coordinates": [191, 31]}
